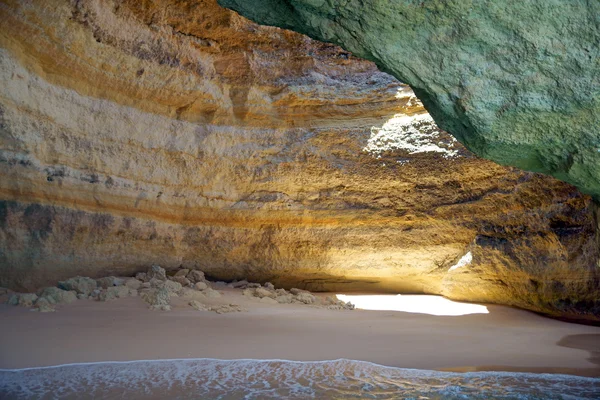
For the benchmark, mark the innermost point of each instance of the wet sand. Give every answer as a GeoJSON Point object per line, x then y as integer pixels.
{"type": "Point", "coordinates": [506, 339]}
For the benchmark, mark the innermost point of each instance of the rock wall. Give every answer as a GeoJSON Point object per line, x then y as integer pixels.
{"type": "Point", "coordinates": [516, 81]}
{"type": "Point", "coordinates": [178, 133]}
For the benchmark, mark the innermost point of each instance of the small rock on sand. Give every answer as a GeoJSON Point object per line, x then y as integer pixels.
{"type": "Point", "coordinates": [192, 294]}
{"type": "Point", "coordinates": [133, 283]}
{"type": "Point", "coordinates": [333, 303]}
{"type": "Point", "coordinates": [23, 299]}
{"type": "Point", "coordinates": [268, 300]}
{"type": "Point", "coordinates": [55, 295]}
{"type": "Point", "coordinates": [80, 284]}
{"type": "Point", "coordinates": [109, 281]}
{"type": "Point", "coordinates": [142, 276]}
{"type": "Point", "coordinates": [262, 292]}
{"type": "Point", "coordinates": [182, 280]}
{"type": "Point", "coordinates": [296, 291]}
{"type": "Point", "coordinates": [211, 293]}
{"type": "Point", "coordinates": [158, 299]}
{"type": "Point", "coordinates": [182, 272]}
{"type": "Point", "coordinates": [201, 286]}
{"type": "Point", "coordinates": [156, 272]}
{"type": "Point", "coordinates": [196, 276]}
{"type": "Point", "coordinates": [243, 284]}
{"type": "Point", "coordinates": [199, 306]}
{"type": "Point", "coordinates": [285, 298]}
{"type": "Point", "coordinates": [227, 308]}
{"type": "Point", "coordinates": [43, 305]}
{"type": "Point", "coordinates": [305, 297]}
{"type": "Point", "coordinates": [114, 292]}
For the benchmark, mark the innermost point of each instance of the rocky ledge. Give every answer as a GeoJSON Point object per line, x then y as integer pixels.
{"type": "Point", "coordinates": [157, 289]}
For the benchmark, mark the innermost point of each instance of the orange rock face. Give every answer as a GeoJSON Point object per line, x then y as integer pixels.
{"type": "Point", "coordinates": [179, 133]}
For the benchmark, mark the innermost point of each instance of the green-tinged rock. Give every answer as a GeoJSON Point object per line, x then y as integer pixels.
{"type": "Point", "coordinates": [55, 295]}
{"type": "Point", "coordinates": [80, 284]}
{"type": "Point", "coordinates": [158, 299]}
{"type": "Point", "coordinates": [115, 292]}
{"type": "Point", "coordinates": [43, 305]}
{"type": "Point", "coordinates": [199, 306]}
{"type": "Point", "coordinates": [109, 281]}
{"type": "Point", "coordinates": [516, 81]}
{"type": "Point", "coordinates": [22, 299]}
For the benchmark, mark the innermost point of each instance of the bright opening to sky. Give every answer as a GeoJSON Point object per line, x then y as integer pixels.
{"type": "Point", "coordinates": [422, 304]}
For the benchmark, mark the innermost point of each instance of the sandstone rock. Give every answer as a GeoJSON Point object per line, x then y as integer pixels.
{"type": "Point", "coordinates": [142, 276]}
{"type": "Point", "coordinates": [268, 300]}
{"type": "Point", "coordinates": [109, 281]}
{"type": "Point", "coordinates": [211, 293]}
{"type": "Point", "coordinates": [158, 299]}
{"type": "Point", "coordinates": [333, 303]}
{"type": "Point", "coordinates": [13, 300]}
{"type": "Point", "coordinates": [269, 286]}
{"type": "Point", "coordinates": [27, 299]}
{"type": "Point", "coordinates": [182, 280]}
{"type": "Point", "coordinates": [120, 291]}
{"type": "Point", "coordinates": [253, 285]}
{"type": "Point", "coordinates": [201, 285]}
{"type": "Point", "coordinates": [106, 295]}
{"type": "Point", "coordinates": [81, 296]}
{"type": "Point", "coordinates": [262, 292]}
{"type": "Point", "coordinates": [22, 299]}
{"type": "Point", "coordinates": [305, 297]}
{"type": "Point", "coordinates": [132, 283]}
{"type": "Point", "coordinates": [281, 292]}
{"type": "Point", "coordinates": [227, 308]}
{"type": "Point", "coordinates": [182, 272]}
{"type": "Point", "coordinates": [243, 284]}
{"type": "Point", "coordinates": [285, 298]}
{"type": "Point", "coordinates": [154, 283]}
{"type": "Point", "coordinates": [156, 272]}
{"type": "Point", "coordinates": [43, 305]}
{"type": "Point", "coordinates": [199, 306]}
{"type": "Point", "coordinates": [54, 295]}
{"type": "Point", "coordinates": [192, 294]}
{"type": "Point", "coordinates": [80, 284]}
{"type": "Point", "coordinates": [115, 292]}
{"type": "Point", "coordinates": [296, 291]}
{"type": "Point", "coordinates": [174, 288]}
{"type": "Point", "coordinates": [196, 276]}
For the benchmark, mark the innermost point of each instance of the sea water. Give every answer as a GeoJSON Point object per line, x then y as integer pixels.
{"type": "Point", "coordinates": [278, 379]}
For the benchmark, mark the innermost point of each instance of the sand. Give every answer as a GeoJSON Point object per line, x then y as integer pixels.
{"type": "Point", "coordinates": [505, 339]}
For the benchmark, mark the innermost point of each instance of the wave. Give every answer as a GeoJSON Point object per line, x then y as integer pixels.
{"type": "Point", "coordinates": [207, 378]}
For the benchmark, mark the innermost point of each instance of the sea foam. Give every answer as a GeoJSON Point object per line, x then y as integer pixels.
{"type": "Point", "coordinates": [280, 379]}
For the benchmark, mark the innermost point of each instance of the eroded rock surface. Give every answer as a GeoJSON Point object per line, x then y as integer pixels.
{"type": "Point", "coordinates": [516, 81]}
{"type": "Point", "coordinates": [135, 133]}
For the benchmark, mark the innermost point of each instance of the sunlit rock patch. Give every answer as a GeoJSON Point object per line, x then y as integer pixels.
{"type": "Point", "coordinates": [412, 134]}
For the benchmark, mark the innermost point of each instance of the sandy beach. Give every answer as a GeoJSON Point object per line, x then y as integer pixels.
{"type": "Point", "coordinates": [505, 339]}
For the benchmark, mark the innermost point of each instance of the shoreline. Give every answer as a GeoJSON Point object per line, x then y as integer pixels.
{"type": "Point", "coordinates": [577, 372]}
{"type": "Point", "coordinates": [124, 330]}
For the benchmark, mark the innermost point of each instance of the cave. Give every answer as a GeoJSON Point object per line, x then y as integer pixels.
{"type": "Point", "coordinates": [444, 151]}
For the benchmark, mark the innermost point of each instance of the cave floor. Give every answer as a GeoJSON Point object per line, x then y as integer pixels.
{"type": "Point", "coordinates": [503, 339]}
